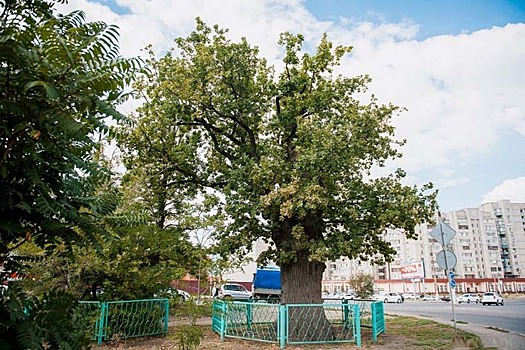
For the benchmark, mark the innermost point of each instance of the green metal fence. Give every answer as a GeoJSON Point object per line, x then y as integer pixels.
{"type": "Point", "coordinates": [297, 323]}
{"type": "Point", "coordinates": [322, 323]}
{"type": "Point", "coordinates": [116, 320]}
{"type": "Point", "coordinates": [377, 318]}
{"type": "Point", "coordinates": [372, 314]}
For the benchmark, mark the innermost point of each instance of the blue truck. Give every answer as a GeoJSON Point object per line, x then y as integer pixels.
{"type": "Point", "coordinates": [267, 283]}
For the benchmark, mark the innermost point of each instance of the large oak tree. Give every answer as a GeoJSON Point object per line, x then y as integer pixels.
{"type": "Point", "coordinates": [289, 156]}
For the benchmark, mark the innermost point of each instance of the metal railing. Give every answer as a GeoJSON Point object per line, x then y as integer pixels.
{"type": "Point", "coordinates": [372, 314]}
{"type": "Point", "coordinates": [116, 320]}
{"type": "Point", "coordinates": [297, 323]}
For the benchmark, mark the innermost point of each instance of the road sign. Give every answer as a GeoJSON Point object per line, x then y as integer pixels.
{"type": "Point", "coordinates": [443, 233]}
{"type": "Point", "coordinates": [453, 283]}
{"type": "Point", "coordinates": [451, 275]}
{"type": "Point", "coordinates": [446, 259]}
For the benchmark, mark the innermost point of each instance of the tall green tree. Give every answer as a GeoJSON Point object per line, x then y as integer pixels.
{"type": "Point", "coordinates": [289, 156]}
{"type": "Point", "coordinates": [60, 81]}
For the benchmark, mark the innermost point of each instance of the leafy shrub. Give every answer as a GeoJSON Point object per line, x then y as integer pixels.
{"type": "Point", "coordinates": [189, 336]}
{"type": "Point", "coordinates": [27, 322]}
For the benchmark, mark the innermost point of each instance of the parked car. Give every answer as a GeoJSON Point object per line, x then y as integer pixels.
{"type": "Point", "coordinates": [234, 291]}
{"type": "Point", "coordinates": [429, 298]}
{"type": "Point", "coordinates": [173, 293]}
{"type": "Point", "coordinates": [468, 298]}
{"type": "Point", "coordinates": [444, 298]}
{"type": "Point", "coordinates": [412, 296]}
{"type": "Point", "coordinates": [392, 297]}
{"type": "Point", "coordinates": [349, 296]}
{"type": "Point", "coordinates": [491, 298]}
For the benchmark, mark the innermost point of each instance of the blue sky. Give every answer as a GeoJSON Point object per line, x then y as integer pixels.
{"type": "Point", "coordinates": [457, 66]}
{"type": "Point", "coordinates": [434, 17]}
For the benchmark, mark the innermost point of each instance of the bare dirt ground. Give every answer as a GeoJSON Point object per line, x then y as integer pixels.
{"type": "Point", "coordinates": [402, 333]}
{"type": "Point", "coordinates": [211, 341]}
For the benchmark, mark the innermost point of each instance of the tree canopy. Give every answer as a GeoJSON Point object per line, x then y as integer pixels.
{"type": "Point", "coordinates": [289, 156]}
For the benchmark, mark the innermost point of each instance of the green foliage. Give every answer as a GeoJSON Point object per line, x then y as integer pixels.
{"type": "Point", "coordinates": [137, 263]}
{"type": "Point", "coordinates": [27, 322]}
{"type": "Point", "coordinates": [60, 79]}
{"type": "Point", "coordinates": [289, 158]}
{"type": "Point", "coordinates": [362, 285]}
{"type": "Point", "coordinates": [145, 260]}
{"type": "Point", "coordinates": [189, 336]}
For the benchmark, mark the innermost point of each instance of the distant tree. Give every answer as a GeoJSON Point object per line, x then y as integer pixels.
{"type": "Point", "coordinates": [60, 79]}
{"type": "Point", "coordinates": [288, 157]}
{"type": "Point", "coordinates": [145, 260]}
{"type": "Point", "coordinates": [362, 285]}
{"type": "Point", "coordinates": [137, 263]}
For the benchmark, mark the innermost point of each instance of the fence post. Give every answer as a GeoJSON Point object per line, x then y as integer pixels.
{"type": "Point", "coordinates": [224, 308]}
{"type": "Point", "coordinates": [346, 314]}
{"type": "Point", "coordinates": [282, 325]}
{"type": "Point", "coordinates": [102, 322]}
{"type": "Point", "coordinates": [166, 316]}
{"type": "Point", "coordinates": [357, 325]}
{"type": "Point", "coordinates": [249, 315]}
{"type": "Point", "coordinates": [378, 319]}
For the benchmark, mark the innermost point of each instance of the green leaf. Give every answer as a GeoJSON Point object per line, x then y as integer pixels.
{"type": "Point", "coordinates": [50, 89]}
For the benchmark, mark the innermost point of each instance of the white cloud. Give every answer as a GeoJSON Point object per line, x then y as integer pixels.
{"type": "Point", "coordinates": [463, 93]}
{"type": "Point", "coordinates": [511, 189]}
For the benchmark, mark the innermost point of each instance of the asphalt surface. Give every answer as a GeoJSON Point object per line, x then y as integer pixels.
{"type": "Point", "coordinates": [510, 317]}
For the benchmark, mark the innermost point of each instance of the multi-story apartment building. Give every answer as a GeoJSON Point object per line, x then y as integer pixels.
{"type": "Point", "coordinates": [489, 246]}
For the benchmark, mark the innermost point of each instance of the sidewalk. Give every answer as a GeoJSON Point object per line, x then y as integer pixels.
{"type": "Point", "coordinates": [501, 340]}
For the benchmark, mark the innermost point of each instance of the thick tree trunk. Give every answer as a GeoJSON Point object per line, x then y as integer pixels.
{"type": "Point", "coordinates": [301, 284]}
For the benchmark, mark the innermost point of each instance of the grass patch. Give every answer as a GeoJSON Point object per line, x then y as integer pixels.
{"type": "Point", "coordinates": [427, 334]}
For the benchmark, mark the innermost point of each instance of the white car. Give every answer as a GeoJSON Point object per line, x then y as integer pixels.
{"type": "Point", "coordinates": [491, 298]}
{"type": "Point", "coordinates": [349, 296]}
{"type": "Point", "coordinates": [234, 291]}
{"type": "Point", "coordinates": [172, 293]}
{"type": "Point", "coordinates": [391, 298]}
{"type": "Point", "coordinates": [468, 298]}
{"type": "Point", "coordinates": [412, 296]}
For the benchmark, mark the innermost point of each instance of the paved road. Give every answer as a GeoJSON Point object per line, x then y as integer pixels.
{"type": "Point", "coordinates": [510, 317]}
